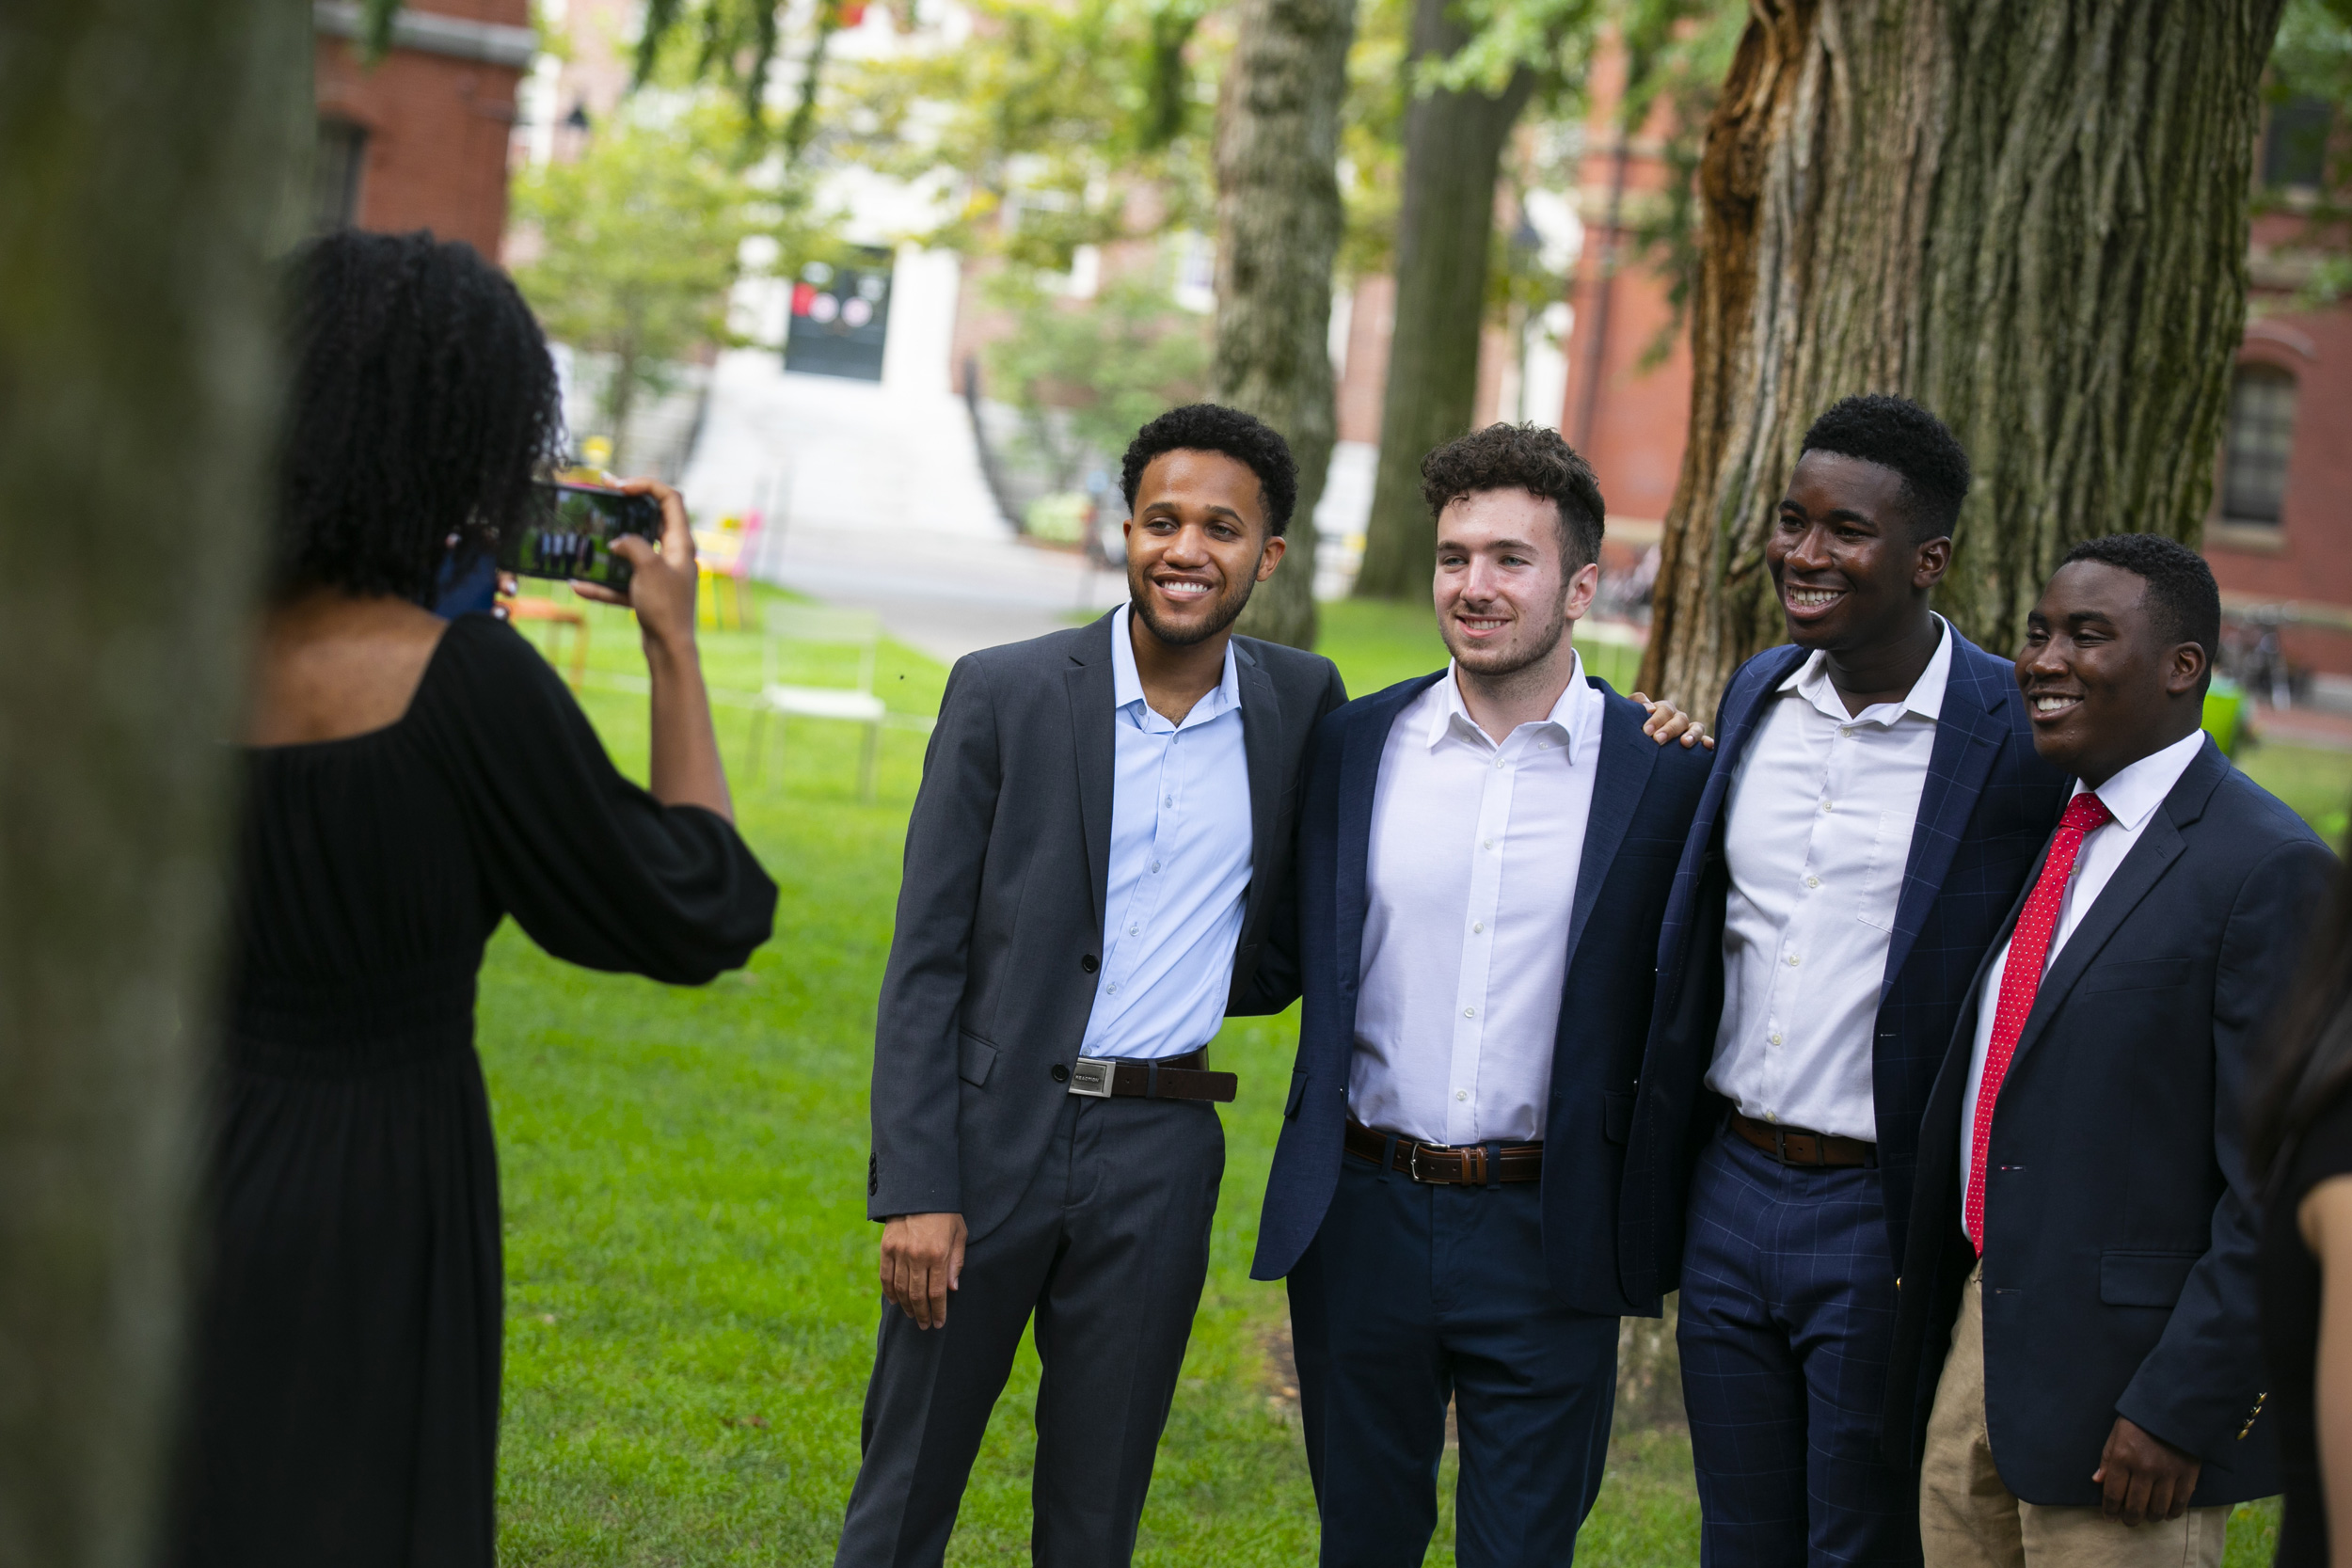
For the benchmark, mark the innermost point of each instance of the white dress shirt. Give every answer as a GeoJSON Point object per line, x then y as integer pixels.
{"type": "Point", "coordinates": [1468, 879]}
{"type": "Point", "coordinates": [1180, 839]}
{"type": "Point", "coordinates": [2131, 798]}
{"type": "Point", "coordinates": [1817, 833]}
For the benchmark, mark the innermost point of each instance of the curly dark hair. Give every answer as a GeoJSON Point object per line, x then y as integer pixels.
{"type": "Point", "coordinates": [2183, 598]}
{"type": "Point", "coordinates": [422, 402]}
{"type": "Point", "coordinates": [1898, 434]}
{"type": "Point", "coordinates": [1521, 457]}
{"type": "Point", "coordinates": [1214, 427]}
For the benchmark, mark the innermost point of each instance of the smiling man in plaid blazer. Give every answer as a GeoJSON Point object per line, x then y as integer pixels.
{"type": "Point", "coordinates": [1875, 806]}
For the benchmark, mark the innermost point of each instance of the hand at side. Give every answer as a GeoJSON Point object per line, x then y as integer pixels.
{"type": "Point", "coordinates": [922, 1260]}
{"type": "Point", "coordinates": [2142, 1477]}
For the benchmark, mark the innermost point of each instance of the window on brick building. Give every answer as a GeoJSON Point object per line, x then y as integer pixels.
{"type": "Point", "coordinates": [335, 175]}
{"type": "Point", "coordinates": [2294, 144]}
{"type": "Point", "coordinates": [2254, 454]}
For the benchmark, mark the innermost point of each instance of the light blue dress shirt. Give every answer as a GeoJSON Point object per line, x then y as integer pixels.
{"type": "Point", "coordinates": [1180, 866]}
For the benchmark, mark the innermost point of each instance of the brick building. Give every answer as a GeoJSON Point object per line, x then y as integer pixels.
{"type": "Point", "coordinates": [419, 140]}
{"type": "Point", "coordinates": [2280, 533]}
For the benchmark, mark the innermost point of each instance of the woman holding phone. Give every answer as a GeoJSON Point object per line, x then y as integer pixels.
{"type": "Point", "coordinates": [410, 782]}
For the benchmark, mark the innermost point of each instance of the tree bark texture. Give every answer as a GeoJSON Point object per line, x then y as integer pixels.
{"type": "Point", "coordinates": [147, 149]}
{"type": "Point", "coordinates": [1278, 220]}
{"type": "Point", "coordinates": [1453, 156]}
{"type": "Point", "coordinates": [2031, 216]}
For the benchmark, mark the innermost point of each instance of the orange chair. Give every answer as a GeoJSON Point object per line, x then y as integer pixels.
{"type": "Point", "coordinates": [559, 616]}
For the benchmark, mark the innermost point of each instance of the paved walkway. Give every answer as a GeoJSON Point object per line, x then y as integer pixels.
{"type": "Point", "coordinates": [872, 498]}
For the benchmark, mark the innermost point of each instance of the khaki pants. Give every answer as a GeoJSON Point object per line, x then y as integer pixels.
{"type": "Point", "coordinates": [1968, 1519]}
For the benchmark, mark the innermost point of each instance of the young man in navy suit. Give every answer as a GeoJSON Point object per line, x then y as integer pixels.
{"type": "Point", "coordinates": [1484, 859]}
{"type": "Point", "coordinates": [2077, 1327]}
{"type": "Point", "coordinates": [1875, 806]}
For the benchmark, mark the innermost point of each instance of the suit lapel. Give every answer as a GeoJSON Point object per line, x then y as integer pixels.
{"type": "Point", "coordinates": [1262, 744]}
{"type": "Point", "coordinates": [1969, 732]}
{"type": "Point", "coordinates": [1625, 759]}
{"type": "Point", "coordinates": [1739, 729]}
{"type": "Point", "coordinates": [1360, 778]}
{"type": "Point", "coordinates": [2160, 844]}
{"type": "Point", "coordinates": [1092, 689]}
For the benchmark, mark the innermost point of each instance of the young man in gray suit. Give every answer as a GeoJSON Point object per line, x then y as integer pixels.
{"type": "Point", "coordinates": [1104, 828]}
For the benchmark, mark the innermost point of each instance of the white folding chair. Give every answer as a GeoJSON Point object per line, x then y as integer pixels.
{"type": "Point", "coordinates": [811, 626]}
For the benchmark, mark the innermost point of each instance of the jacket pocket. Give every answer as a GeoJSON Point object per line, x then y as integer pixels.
{"type": "Point", "coordinates": [2138, 975]}
{"type": "Point", "coordinates": [2144, 1278]}
{"type": "Point", "coordinates": [974, 1057]}
{"type": "Point", "coordinates": [1616, 1115]}
{"type": "Point", "coordinates": [1298, 1095]}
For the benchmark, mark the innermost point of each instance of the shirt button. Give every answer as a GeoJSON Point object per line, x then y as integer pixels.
{"type": "Point", "coordinates": [1470, 1012]}
{"type": "Point", "coordinates": [1169, 801]}
{"type": "Point", "coordinates": [1812, 881]}
{"type": "Point", "coordinates": [1792, 961]}
{"type": "Point", "coordinates": [1825, 808]}
{"type": "Point", "coordinates": [1114, 988]}
{"type": "Point", "coordinates": [1774, 1036]}
{"type": "Point", "coordinates": [1155, 865]}
{"type": "Point", "coordinates": [1485, 844]}
{"type": "Point", "coordinates": [1478, 924]}
{"type": "Point", "coordinates": [1134, 930]}
{"type": "Point", "coordinates": [1461, 1093]}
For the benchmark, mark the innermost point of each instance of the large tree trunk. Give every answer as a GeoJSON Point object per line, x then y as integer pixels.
{"type": "Point", "coordinates": [1453, 154]}
{"type": "Point", "coordinates": [2029, 214]}
{"type": "Point", "coordinates": [1277, 219]}
{"type": "Point", "coordinates": [144, 152]}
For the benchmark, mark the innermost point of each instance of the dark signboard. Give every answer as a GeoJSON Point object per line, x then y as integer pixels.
{"type": "Point", "coordinates": [840, 315]}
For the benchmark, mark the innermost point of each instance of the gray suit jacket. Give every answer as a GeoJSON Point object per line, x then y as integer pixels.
{"type": "Point", "coordinates": [992, 967]}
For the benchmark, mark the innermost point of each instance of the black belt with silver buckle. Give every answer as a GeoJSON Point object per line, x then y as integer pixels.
{"type": "Point", "coordinates": [1151, 1078]}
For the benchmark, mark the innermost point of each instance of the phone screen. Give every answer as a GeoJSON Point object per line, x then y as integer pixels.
{"type": "Point", "coordinates": [571, 531]}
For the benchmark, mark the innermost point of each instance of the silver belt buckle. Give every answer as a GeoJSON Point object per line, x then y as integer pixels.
{"type": "Point", "coordinates": [1091, 1076]}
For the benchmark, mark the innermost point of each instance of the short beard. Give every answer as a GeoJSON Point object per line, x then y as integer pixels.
{"type": "Point", "coordinates": [1527, 657]}
{"type": "Point", "coordinates": [1223, 613]}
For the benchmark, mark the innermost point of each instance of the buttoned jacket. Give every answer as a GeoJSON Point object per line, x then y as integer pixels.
{"type": "Point", "coordinates": [1988, 804]}
{"type": "Point", "coordinates": [1643, 797]}
{"type": "Point", "coordinates": [998, 945]}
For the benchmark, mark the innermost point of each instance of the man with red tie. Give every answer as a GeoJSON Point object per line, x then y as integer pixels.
{"type": "Point", "coordinates": [2077, 1372]}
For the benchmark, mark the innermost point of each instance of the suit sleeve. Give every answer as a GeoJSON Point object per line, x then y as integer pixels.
{"type": "Point", "coordinates": [2197, 1387]}
{"type": "Point", "coordinates": [916, 1099]}
{"type": "Point", "coordinates": [1276, 985]}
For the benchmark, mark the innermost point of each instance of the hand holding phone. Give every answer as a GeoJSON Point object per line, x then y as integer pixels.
{"type": "Point", "coordinates": [659, 580]}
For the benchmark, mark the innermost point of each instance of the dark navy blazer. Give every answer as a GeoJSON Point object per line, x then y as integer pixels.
{"type": "Point", "coordinates": [1989, 803]}
{"type": "Point", "coordinates": [2119, 1221]}
{"type": "Point", "coordinates": [1643, 797]}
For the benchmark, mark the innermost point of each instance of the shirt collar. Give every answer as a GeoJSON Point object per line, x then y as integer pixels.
{"type": "Point", "coordinates": [1810, 680]}
{"type": "Point", "coordinates": [1127, 682]}
{"type": "Point", "coordinates": [1569, 716]}
{"type": "Point", "coordinates": [2138, 788]}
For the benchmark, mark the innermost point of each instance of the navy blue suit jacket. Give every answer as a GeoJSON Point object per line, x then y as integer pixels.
{"type": "Point", "coordinates": [1643, 797]}
{"type": "Point", "coordinates": [2119, 1219]}
{"type": "Point", "coordinates": [1989, 803]}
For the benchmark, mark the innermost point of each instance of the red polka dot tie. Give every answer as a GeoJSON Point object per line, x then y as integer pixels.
{"type": "Point", "coordinates": [2021, 977]}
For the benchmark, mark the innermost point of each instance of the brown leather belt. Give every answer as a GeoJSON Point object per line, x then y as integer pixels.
{"type": "Point", "coordinates": [1794, 1145]}
{"type": "Point", "coordinates": [1160, 1077]}
{"type": "Point", "coordinates": [1442, 1164]}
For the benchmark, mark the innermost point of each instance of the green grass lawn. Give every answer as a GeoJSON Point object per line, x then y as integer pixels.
{"type": "Point", "coordinates": [690, 1303]}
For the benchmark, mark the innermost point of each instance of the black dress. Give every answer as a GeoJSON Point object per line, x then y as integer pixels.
{"type": "Point", "coordinates": [2289, 1281]}
{"type": "Point", "coordinates": [345, 1390]}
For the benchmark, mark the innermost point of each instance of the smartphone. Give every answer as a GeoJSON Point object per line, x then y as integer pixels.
{"type": "Point", "coordinates": [570, 533]}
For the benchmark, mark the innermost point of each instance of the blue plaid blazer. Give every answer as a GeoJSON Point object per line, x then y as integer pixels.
{"type": "Point", "coordinates": [1989, 803]}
